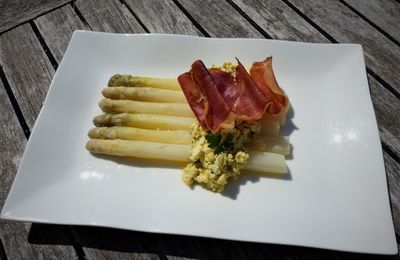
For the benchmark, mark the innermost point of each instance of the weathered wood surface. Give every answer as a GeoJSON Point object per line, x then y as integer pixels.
{"type": "Point", "coordinates": [384, 14]}
{"type": "Point", "coordinates": [387, 108]}
{"type": "Point", "coordinates": [206, 12]}
{"type": "Point", "coordinates": [135, 245]}
{"type": "Point", "coordinates": [57, 27]}
{"type": "Point", "coordinates": [27, 69]}
{"type": "Point", "coordinates": [16, 12]}
{"type": "Point", "coordinates": [279, 21]}
{"type": "Point", "coordinates": [13, 234]}
{"type": "Point", "coordinates": [106, 16]}
{"type": "Point", "coordinates": [162, 17]}
{"type": "Point", "coordinates": [393, 175]}
{"type": "Point", "coordinates": [381, 54]}
{"type": "Point", "coordinates": [235, 18]}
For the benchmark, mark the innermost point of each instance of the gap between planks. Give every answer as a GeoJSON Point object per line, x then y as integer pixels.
{"type": "Point", "coordinates": [80, 15]}
{"type": "Point", "coordinates": [33, 18]}
{"type": "Point", "coordinates": [44, 45]}
{"type": "Point", "coordinates": [382, 31]}
{"type": "Point", "coordinates": [333, 40]}
{"type": "Point", "coordinates": [14, 103]}
{"type": "Point", "coordinates": [3, 254]}
{"type": "Point", "coordinates": [251, 21]}
{"type": "Point", "coordinates": [190, 17]}
{"type": "Point", "coordinates": [123, 2]}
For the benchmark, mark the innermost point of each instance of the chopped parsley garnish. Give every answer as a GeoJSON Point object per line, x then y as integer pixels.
{"type": "Point", "coordinates": [220, 143]}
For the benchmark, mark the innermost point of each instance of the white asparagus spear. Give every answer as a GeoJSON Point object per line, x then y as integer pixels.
{"type": "Point", "coordinates": [139, 149]}
{"type": "Point", "coordinates": [147, 121]}
{"type": "Point", "coordinates": [266, 163]}
{"type": "Point", "coordinates": [145, 94]}
{"type": "Point", "coordinates": [133, 133]}
{"type": "Point", "coordinates": [258, 161]}
{"type": "Point", "coordinates": [274, 144]}
{"type": "Point", "coordinates": [164, 122]}
{"type": "Point", "coordinates": [130, 106]}
{"type": "Point", "coordinates": [269, 127]}
{"type": "Point", "coordinates": [131, 81]}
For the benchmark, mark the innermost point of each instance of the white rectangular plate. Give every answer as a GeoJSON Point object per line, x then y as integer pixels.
{"type": "Point", "coordinates": [335, 196]}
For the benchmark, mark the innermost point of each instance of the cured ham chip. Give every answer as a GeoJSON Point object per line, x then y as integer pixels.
{"type": "Point", "coordinates": [241, 94]}
{"type": "Point", "coordinates": [263, 75]}
{"type": "Point", "coordinates": [217, 98]}
{"type": "Point", "coordinates": [203, 97]}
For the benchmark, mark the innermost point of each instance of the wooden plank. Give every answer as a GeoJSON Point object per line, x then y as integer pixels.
{"type": "Point", "coordinates": [19, 11]}
{"type": "Point", "coordinates": [393, 176]}
{"type": "Point", "coordinates": [230, 23]}
{"type": "Point", "coordinates": [27, 69]}
{"type": "Point", "coordinates": [381, 54]}
{"type": "Point", "coordinates": [279, 21]}
{"type": "Point", "coordinates": [162, 17]}
{"type": "Point", "coordinates": [387, 108]}
{"type": "Point", "coordinates": [57, 27]}
{"type": "Point", "coordinates": [282, 22]}
{"type": "Point", "coordinates": [108, 16]}
{"type": "Point", "coordinates": [160, 245]}
{"type": "Point", "coordinates": [107, 243]}
{"type": "Point", "coordinates": [14, 235]}
{"type": "Point", "coordinates": [385, 14]}
{"type": "Point", "coordinates": [184, 247]}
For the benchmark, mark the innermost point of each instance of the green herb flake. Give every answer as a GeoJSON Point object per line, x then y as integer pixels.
{"type": "Point", "coordinates": [220, 143]}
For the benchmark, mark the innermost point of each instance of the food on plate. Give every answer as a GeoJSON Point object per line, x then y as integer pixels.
{"type": "Point", "coordinates": [146, 121]}
{"type": "Point", "coordinates": [145, 94]}
{"type": "Point", "coordinates": [133, 133]}
{"type": "Point", "coordinates": [228, 104]}
{"type": "Point", "coordinates": [218, 120]}
{"type": "Point", "coordinates": [262, 143]}
{"type": "Point", "coordinates": [109, 105]}
{"type": "Point", "coordinates": [258, 161]}
{"type": "Point", "coordinates": [131, 81]}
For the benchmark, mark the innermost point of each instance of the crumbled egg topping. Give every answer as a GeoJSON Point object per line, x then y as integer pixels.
{"type": "Point", "coordinates": [217, 158]}
{"type": "Point", "coordinates": [227, 67]}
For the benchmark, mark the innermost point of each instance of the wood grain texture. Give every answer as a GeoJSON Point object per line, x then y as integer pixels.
{"type": "Point", "coordinates": [279, 21]}
{"type": "Point", "coordinates": [16, 12]}
{"type": "Point", "coordinates": [282, 22]}
{"type": "Point", "coordinates": [27, 69]}
{"type": "Point", "coordinates": [387, 108]}
{"type": "Point", "coordinates": [162, 17]}
{"type": "Point", "coordinates": [108, 16]}
{"type": "Point", "coordinates": [381, 54]}
{"type": "Point", "coordinates": [393, 177]}
{"type": "Point", "coordinates": [183, 247]}
{"type": "Point", "coordinates": [385, 14]}
{"type": "Point", "coordinates": [14, 235]}
{"type": "Point", "coordinates": [220, 19]}
{"type": "Point", "coordinates": [57, 27]}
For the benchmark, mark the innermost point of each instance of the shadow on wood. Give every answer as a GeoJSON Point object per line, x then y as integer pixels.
{"type": "Point", "coordinates": [175, 245]}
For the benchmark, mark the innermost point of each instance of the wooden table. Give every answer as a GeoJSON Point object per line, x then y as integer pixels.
{"type": "Point", "coordinates": [35, 34]}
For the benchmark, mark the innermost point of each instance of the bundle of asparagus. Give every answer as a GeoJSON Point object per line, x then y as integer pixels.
{"type": "Point", "coordinates": [150, 118]}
